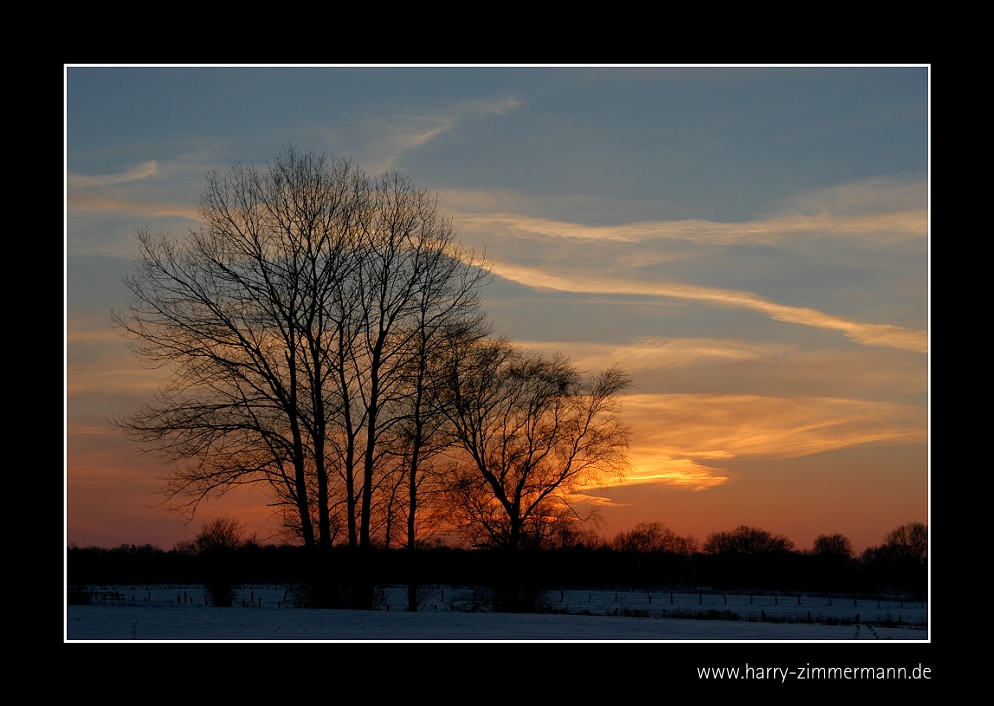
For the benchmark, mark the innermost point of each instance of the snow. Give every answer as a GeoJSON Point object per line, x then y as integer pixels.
{"type": "Point", "coordinates": [159, 613]}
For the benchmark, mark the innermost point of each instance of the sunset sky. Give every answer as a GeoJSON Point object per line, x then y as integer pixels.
{"type": "Point", "coordinates": [750, 244]}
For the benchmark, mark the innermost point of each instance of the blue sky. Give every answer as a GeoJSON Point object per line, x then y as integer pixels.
{"type": "Point", "coordinates": [751, 244]}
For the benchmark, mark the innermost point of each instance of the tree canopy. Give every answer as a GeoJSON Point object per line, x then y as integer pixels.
{"type": "Point", "coordinates": [291, 324]}
{"type": "Point", "coordinates": [745, 540]}
{"type": "Point", "coordinates": [531, 430]}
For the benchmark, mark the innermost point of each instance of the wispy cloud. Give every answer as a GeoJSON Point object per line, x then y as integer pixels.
{"type": "Point", "coordinates": [706, 426]}
{"type": "Point", "coordinates": [125, 378]}
{"type": "Point", "coordinates": [151, 190]}
{"type": "Point", "coordinates": [651, 352]}
{"type": "Point", "coordinates": [102, 335]}
{"type": "Point", "coordinates": [674, 437]}
{"type": "Point", "coordinates": [872, 195]}
{"type": "Point", "coordinates": [100, 363]}
{"type": "Point", "coordinates": [735, 366]}
{"type": "Point", "coordinates": [89, 202]}
{"type": "Point", "coordinates": [409, 129]}
{"type": "Point", "coordinates": [869, 213]}
{"type": "Point", "coordinates": [871, 229]}
{"type": "Point", "coordinates": [135, 173]}
{"type": "Point", "coordinates": [688, 474]}
{"type": "Point", "coordinates": [90, 430]}
{"type": "Point", "coordinates": [863, 333]}
{"type": "Point", "coordinates": [102, 209]}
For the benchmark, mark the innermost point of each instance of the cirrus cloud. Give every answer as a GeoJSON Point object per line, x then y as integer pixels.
{"type": "Point", "coordinates": [863, 333]}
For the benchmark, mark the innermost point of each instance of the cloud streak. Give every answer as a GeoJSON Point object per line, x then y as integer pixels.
{"type": "Point", "coordinates": [150, 190]}
{"type": "Point", "coordinates": [651, 352]}
{"type": "Point", "coordinates": [862, 333]}
{"type": "Point", "coordinates": [680, 473]}
{"type": "Point", "coordinates": [85, 202]}
{"type": "Point", "coordinates": [884, 227]}
{"type": "Point", "coordinates": [869, 213]}
{"type": "Point", "coordinates": [411, 129]}
{"type": "Point", "coordinates": [99, 181]}
{"type": "Point", "coordinates": [710, 426]}
{"type": "Point", "coordinates": [674, 436]}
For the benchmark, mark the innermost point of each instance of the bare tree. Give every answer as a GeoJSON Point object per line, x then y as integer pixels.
{"type": "Point", "coordinates": [910, 540]}
{"type": "Point", "coordinates": [654, 537]}
{"type": "Point", "coordinates": [416, 286]}
{"type": "Point", "coordinates": [532, 430]}
{"type": "Point", "coordinates": [216, 544]}
{"type": "Point", "coordinates": [836, 546]}
{"type": "Point", "coordinates": [222, 533]}
{"type": "Point", "coordinates": [745, 540]}
{"type": "Point", "coordinates": [238, 314]}
{"type": "Point", "coordinates": [290, 324]}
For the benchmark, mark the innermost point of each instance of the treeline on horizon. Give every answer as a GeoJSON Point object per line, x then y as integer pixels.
{"type": "Point", "coordinates": [650, 557]}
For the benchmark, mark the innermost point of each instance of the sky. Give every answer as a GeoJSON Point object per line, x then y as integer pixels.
{"type": "Point", "coordinates": [751, 244]}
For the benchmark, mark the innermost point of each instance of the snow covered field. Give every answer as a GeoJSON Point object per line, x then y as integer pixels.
{"type": "Point", "coordinates": [180, 613]}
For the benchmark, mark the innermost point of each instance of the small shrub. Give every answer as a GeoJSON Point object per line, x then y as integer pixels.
{"type": "Point", "coordinates": [216, 545]}
{"type": "Point", "coordinates": [222, 593]}
{"type": "Point", "coordinates": [317, 594]}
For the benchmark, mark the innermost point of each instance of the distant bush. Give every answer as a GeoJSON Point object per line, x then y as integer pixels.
{"type": "Point", "coordinates": [901, 562]}
{"type": "Point", "coordinates": [654, 537]}
{"type": "Point", "coordinates": [910, 540]}
{"type": "Point", "coordinates": [747, 541]}
{"type": "Point", "coordinates": [506, 599]}
{"type": "Point", "coordinates": [216, 545]}
{"type": "Point", "coordinates": [836, 545]}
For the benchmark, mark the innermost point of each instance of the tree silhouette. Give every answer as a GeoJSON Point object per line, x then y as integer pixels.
{"type": "Point", "coordinates": [836, 545]}
{"type": "Point", "coordinates": [910, 541]}
{"type": "Point", "coordinates": [531, 430]}
{"type": "Point", "coordinates": [901, 561]}
{"type": "Point", "coordinates": [289, 325]}
{"type": "Point", "coordinates": [745, 540]}
{"type": "Point", "coordinates": [653, 537]}
{"type": "Point", "coordinates": [216, 545]}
